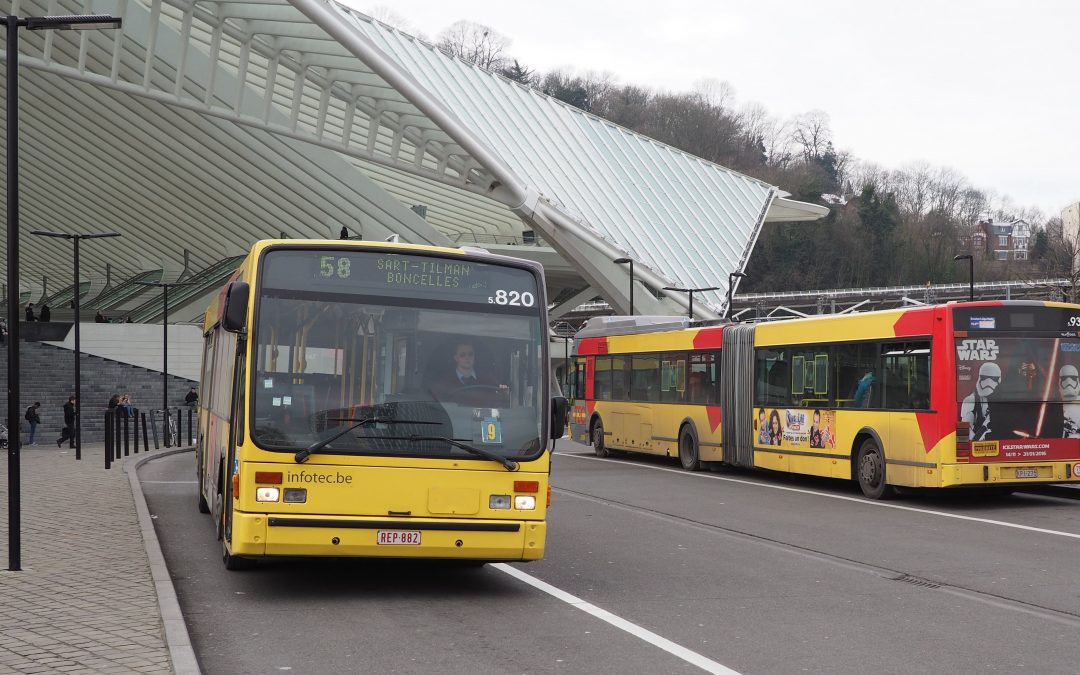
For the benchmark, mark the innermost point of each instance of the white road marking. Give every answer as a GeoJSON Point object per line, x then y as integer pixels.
{"type": "Point", "coordinates": [170, 482]}
{"type": "Point", "coordinates": [858, 500]}
{"type": "Point", "coordinates": [706, 664]}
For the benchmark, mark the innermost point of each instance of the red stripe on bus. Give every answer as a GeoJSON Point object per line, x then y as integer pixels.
{"type": "Point", "coordinates": [709, 338]}
{"type": "Point", "coordinates": [714, 416]}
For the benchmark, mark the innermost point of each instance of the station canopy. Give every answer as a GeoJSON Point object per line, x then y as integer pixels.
{"type": "Point", "coordinates": [197, 128]}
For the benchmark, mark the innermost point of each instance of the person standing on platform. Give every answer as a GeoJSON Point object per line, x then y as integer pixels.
{"type": "Point", "coordinates": [30, 312]}
{"type": "Point", "coordinates": [34, 419]}
{"type": "Point", "coordinates": [46, 313]}
{"type": "Point", "coordinates": [68, 434]}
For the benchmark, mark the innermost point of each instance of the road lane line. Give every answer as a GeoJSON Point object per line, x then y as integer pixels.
{"type": "Point", "coordinates": [169, 482]}
{"type": "Point", "coordinates": [706, 664]}
{"type": "Point", "coordinates": [857, 500]}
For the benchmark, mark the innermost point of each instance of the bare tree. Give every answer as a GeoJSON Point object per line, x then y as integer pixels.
{"type": "Point", "coordinates": [475, 43]}
{"type": "Point", "coordinates": [391, 18]}
{"type": "Point", "coordinates": [811, 132]}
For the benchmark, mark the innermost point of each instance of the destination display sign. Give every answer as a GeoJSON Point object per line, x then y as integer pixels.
{"type": "Point", "coordinates": [397, 274]}
{"type": "Point", "coordinates": [1030, 319]}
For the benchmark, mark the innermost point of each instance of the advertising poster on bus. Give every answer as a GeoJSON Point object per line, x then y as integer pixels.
{"type": "Point", "coordinates": [797, 428]}
{"type": "Point", "coordinates": [1021, 397]}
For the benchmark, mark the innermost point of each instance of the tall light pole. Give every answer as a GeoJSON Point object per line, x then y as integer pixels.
{"type": "Point", "coordinates": [691, 291]}
{"type": "Point", "coordinates": [14, 23]}
{"type": "Point", "coordinates": [730, 285]}
{"type": "Point", "coordinates": [971, 274]}
{"type": "Point", "coordinates": [77, 431]}
{"type": "Point", "coordinates": [623, 261]}
{"type": "Point", "coordinates": [164, 349]}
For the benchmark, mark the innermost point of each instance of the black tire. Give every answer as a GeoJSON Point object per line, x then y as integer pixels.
{"type": "Point", "coordinates": [599, 448]}
{"type": "Point", "coordinates": [870, 471]}
{"type": "Point", "coordinates": [232, 562]}
{"type": "Point", "coordinates": [688, 449]}
{"type": "Point", "coordinates": [204, 507]}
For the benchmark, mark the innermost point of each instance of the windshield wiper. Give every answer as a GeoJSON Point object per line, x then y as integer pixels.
{"type": "Point", "coordinates": [510, 464]}
{"type": "Point", "coordinates": [302, 455]}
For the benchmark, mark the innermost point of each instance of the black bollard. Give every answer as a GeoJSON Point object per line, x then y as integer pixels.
{"type": "Point", "coordinates": [145, 440]}
{"type": "Point", "coordinates": [190, 430]}
{"type": "Point", "coordinates": [153, 428]}
{"type": "Point", "coordinates": [135, 432]}
{"type": "Point", "coordinates": [108, 438]}
{"type": "Point", "coordinates": [127, 435]}
{"type": "Point", "coordinates": [117, 433]}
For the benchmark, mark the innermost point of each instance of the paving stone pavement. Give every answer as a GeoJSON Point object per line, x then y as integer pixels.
{"type": "Point", "coordinates": [86, 600]}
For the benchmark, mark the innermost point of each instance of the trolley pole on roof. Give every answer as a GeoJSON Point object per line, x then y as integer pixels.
{"type": "Point", "coordinates": [730, 285]}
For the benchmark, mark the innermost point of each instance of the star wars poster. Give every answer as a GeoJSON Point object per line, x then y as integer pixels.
{"type": "Point", "coordinates": [1023, 393]}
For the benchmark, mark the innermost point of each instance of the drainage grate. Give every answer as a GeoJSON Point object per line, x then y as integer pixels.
{"type": "Point", "coordinates": [916, 581]}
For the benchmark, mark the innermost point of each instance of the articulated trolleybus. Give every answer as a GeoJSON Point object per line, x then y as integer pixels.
{"type": "Point", "coordinates": [376, 399]}
{"type": "Point", "coordinates": [965, 394]}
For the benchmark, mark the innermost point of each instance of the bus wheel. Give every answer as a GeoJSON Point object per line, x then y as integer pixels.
{"type": "Point", "coordinates": [870, 467]}
{"type": "Point", "coordinates": [233, 562]}
{"type": "Point", "coordinates": [203, 506]}
{"type": "Point", "coordinates": [598, 440]}
{"type": "Point", "coordinates": [688, 449]}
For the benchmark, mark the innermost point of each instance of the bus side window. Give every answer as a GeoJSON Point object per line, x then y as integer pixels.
{"type": "Point", "coordinates": [772, 376]}
{"type": "Point", "coordinates": [907, 375]}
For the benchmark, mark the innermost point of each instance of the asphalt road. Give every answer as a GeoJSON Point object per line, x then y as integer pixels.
{"type": "Point", "coordinates": [654, 570]}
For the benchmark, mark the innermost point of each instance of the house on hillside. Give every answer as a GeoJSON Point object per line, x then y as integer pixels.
{"type": "Point", "coordinates": [1002, 240]}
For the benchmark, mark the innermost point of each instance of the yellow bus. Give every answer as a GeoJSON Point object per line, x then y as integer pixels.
{"type": "Point", "coordinates": [377, 399]}
{"type": "Point", "coordinates": [965, 394]}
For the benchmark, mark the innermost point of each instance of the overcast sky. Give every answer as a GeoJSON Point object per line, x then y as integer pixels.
{"type": "Point", "coordinates": [991, 89]}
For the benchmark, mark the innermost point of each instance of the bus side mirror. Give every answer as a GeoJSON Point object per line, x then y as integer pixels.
{"type": "Point", "coordinates": [234, 315]}
{"type": "Point", "coordinates": [559, 408]}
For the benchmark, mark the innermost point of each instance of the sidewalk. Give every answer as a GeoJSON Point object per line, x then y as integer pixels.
{"type": "Point", "coordinates": [93, 595]}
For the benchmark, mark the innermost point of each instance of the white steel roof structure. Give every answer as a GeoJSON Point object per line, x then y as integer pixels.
{"type": "Point", "coordinates": [205, 126]}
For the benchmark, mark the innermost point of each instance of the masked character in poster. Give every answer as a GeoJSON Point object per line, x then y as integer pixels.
{"type": "Point", "coordinates": [1068, 426]}
{"type": "Point", "coordinates": [975, 408]}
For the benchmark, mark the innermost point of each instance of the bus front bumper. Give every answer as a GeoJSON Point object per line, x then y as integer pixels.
{"type": "Point", "coordinates": [259, 534]}
{"type": "Point", "coordinates": [1011, 474]}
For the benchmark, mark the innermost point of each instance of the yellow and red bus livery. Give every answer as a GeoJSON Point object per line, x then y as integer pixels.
{"type": "Point", "coordinates": [964, 394]}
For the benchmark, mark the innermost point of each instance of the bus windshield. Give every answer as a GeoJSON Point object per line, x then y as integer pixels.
{"type": "Point", "coordinates": [418, 354]}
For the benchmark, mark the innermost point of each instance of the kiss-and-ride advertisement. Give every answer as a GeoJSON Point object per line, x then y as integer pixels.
{"type": "Point", "coordinates": [1021, 397]}
{"type": "Point", "coordinates": [797, 428]}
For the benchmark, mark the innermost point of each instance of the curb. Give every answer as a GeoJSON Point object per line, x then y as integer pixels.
{"type": "Point", "coordinates": [176, 634]}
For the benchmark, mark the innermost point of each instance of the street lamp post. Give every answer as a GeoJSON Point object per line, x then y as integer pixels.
{"type": "Point", "coordinates": [77, 431]}
{"type": "Point", "coordinates": [164, 350]}
{"type": "Point", "coordinates": [690, 292]}
{"type": "Point", "coordinates": [623, 261]}
{"type": "Point", "coordinates": [730, 285]}
{"type": "Point", "coordinates": [14, 23]}
{"type": "Point", "coordinates": [971, 274]}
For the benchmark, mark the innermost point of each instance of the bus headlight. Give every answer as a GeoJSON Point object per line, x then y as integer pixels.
{"type": "Point", "coordinates": [267, 494]}
{"type": "Point", "coordinates": [524, 503]}
{"type": "Point", "coordinates": [499, 502]}
{"type": "Point", "coordinates": [295, 495]}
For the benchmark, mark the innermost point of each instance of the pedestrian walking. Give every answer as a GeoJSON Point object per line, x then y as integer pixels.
{"type": "Point", "coordinates": [100, 318]}
{"type": "Point", "coordinates": [30, 312]}
{"type": "Point", "coordinates": [46, 313]}
{"type": "Point", "coordinates": [192, 397]}
{"type": "Point", "coordinates": [34, 419]}
{"type": "Point", "coordinates": [68, 434]}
